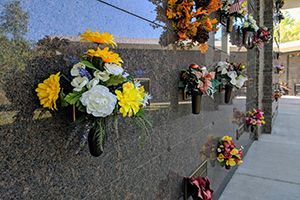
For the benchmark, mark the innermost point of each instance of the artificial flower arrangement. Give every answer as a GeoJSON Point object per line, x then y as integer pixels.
{"type": "Point", "coordinates": [101, 88]}
{"type": "Point", "coordinates": [255, 118]}
{"type": "Point", "coordinates": [277, 95]}
{"type": "Point", "coordinates": [196, 81]}
{"type": "Point", "coordinates": [263, 35]}
{"type": "Point", "coordinates": [278, 69]}
{"type": "Point", "coordinates": [198, 188]}
{"type": "Point", "coordinates": [231, 75]}
{"type": "Point", "coordinates": [228, 154]}
{"type": "Point", "coordinates": [191, 21]}
{"type": "Point", "coordinates": [230, 11]}
{"type": "Point", "coordinates": [249, 29]}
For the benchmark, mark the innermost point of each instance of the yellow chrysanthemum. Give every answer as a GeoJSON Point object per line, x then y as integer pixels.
{"type": "Point", "coordinates": [230, 162]}
{"type": "Point", "coordinates": [48, 91]}
{"type": "Point", "coordinates": [130, 99]}
{"type": "Point", "coordinates": [227, 138]}
{"type": "Point", "coordinates": [106, 55]}
{"type": "Point", "coordinates": [99, 38]}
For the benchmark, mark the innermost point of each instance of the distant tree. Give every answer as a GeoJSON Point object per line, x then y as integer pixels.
{"type": "Point", "coordinates": [13, 20]}
{"type": "Point", "coordinates": [15, 49]}
{"type": "Point", "coordinates": [289, 29]}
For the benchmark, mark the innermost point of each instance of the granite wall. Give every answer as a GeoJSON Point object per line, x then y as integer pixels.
{"type": "Point", "coordinates": [37, 149]}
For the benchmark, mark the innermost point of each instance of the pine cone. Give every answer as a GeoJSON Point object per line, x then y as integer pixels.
{"type": "Point", "coordinates": [202, 35]}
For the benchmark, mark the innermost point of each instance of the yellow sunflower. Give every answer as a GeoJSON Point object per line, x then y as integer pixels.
{"type": "Point", "coordinates": [48, 91]}
{"type": "Point", "coordinates": [130, 99]}
{"type": "Point", "coordinates": [106, 55]}
{"type": "Point", "coordinates": [98, 38]}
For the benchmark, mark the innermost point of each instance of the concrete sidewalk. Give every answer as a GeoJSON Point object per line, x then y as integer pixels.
{"type": "Point", "coordinates": [271, 168]}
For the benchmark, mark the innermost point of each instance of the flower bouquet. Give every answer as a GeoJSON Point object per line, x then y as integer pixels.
{"type": "Point", "coordinates": [197, 187]}
{"type": "Point", "coordinates": [255, 118]}
{"type": "Point", "coordinates": [197, 81]}
{"type": "Point", "coordinates": [228, 154]}
{"type": "Point", "coordinates": [261, 36]}
{"type": "Point", "coordinates": [100, 89]}
{"type": "Point", "coordinates": [190, 19]}
{"type": "Point", "coordinates": [231, 75]}
{"type": "Point", "coordinates": [278, 69]}
{"type": "Point", "coordinates": [249, 28]}
{"type": "Point", "coordinates": [277, 94]}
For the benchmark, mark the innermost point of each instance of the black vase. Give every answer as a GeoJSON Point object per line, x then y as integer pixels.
{"type": "Point", "coordinates": [228, 92]}
{"type": "Point", "coordinates": [248, 39]}
{"type": "Point", "coordinates": [95, 149]}
{"type": "Point", "coordinates": [229, 24]}
{"type": "Point", "coordinates": [196, 102]}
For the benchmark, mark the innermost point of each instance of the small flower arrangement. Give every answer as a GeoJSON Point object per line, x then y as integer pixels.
{"type": "Point", "coordinates": [191, 21]}
{"type": "Point", "coordinates": [279, 69]}
{"type": "Point", "coordinates": [197, 79]}
{"type": "Point", "coordinates": [100, 88]}
{"type": "Point", "coordinates": [277, 95]}
{"type": "Point", "coordinates": [250, 24]}
{"type": "Point", "coordinates": [228, 154]}
{"type": "Point", "coordinates": [255, 118]}
{"type": "Point", "coordinates": [197, 188]}
{"type": "Point", "coordinates": [232, 74]}
{"type": "Point", "coordinates": [262, 36]}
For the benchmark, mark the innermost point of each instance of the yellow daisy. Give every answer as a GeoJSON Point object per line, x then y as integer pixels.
{"type": "Point", "coordinates": [130, 99]}
{"type": "Point", "coordinates": [106, 55]}
{"type": "Point", "coordinates": [48, 91]}
{"type": "Point", "coordinates": [230, 162]}
{"type": "Point", "coordinates": [98, 38]}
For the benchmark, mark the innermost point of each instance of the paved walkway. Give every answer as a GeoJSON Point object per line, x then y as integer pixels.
{"type": "Point", "coordinates": [271, 168]}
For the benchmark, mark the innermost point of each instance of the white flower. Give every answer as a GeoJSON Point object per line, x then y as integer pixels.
{"type": "Point", "coordinates": [75, 69]}
{"type": "Point", "coordinates": [92, 83]}
{"type": "Point", "coordinates": [99, 101]}
{"type": "Point", "coordinates": [114, 69]}
{"type": "Point", "coordinates": [221, 66]}
{"type": "Point", "coordinates": [137, 84]}
{"type": "Point", "coordinates": [103, 76]}
{"type": "Point", "coordinates": [147, 97]}
{"type": "Point", "coordinates": [240, 81]}
{"type": "Point", "coordinates": [125, 75]}
{"type": "Point", "coordinates": [79, 82]}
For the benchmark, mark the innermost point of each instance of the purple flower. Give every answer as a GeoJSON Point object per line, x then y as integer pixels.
{"type": "Point", "coordinates": [83, 72]}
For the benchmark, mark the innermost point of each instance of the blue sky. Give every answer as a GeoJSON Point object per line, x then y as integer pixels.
{"type": "Point", "coordinates": [71, 17]}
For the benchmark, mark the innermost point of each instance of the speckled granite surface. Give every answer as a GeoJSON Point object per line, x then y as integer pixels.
{"type": "Point", "coordinates": [36, 163]}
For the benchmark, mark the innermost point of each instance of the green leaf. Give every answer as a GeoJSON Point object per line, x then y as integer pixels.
{"type": "Point", "coordinates": [63, 102]}
{"type": "Point", "coordinates": [141, 113]}
{"type": "Point", "coordinates": [88, 64]}
{"type": "Point", "coordinates": [115, 80]}
{"type": "Point", "coordinates": [74, 97]}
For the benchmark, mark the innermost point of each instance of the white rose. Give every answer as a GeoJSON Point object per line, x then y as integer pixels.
{"type": "Point", "coordinates": [103, 76]}
{"type": "Point", "coordinates": [75, 69]}
{"type": "Point", "coordinates": [92, 83]}
{"type": "Point", "coordinates": [113, 69]}
{"type": "Point", "coordinates": [99, 101]}
{"type": "Point", "coordinates": [79, 82]}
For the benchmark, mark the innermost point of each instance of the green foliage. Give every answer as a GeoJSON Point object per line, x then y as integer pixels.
{"type": "Point", "coordinates": [115, 80]}
{"type": "Point", "coordinates": [144, 125]}
{"type": "Point", "coordinates": [74, 98]}
{"type": "Point", "coordinates": [13, 20]}
{"type": "Point", "coordinates": [99, 135]}
{"type": "Point", "coordinates": [88, 64]}
{"type": "Point", "coordinates": [289, 29]}
{"type": "Point", "coordinates": [15, 50]}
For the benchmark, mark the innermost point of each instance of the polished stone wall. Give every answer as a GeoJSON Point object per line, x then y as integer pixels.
{"type": "Point", "coordinates": [37, 149]}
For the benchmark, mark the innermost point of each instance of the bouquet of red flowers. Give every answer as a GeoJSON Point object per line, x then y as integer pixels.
{"type": "Point", "coordinates": [228, 154]}
{"type": "Point", "coordinates": [255, 117]}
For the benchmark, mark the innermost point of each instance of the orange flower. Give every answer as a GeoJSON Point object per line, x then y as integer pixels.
{"type": "Point", "coordinates": [203, 47]}
{"type": "Point", "coordinates": [214, 6]}
{"type": "Point", "coordinates": [182, 35]}
{"type": "Point", "coordinates": [170, 14]}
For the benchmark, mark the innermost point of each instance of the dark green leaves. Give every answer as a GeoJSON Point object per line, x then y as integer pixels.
{"type": "Point", "coordinates": [115, 80]}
